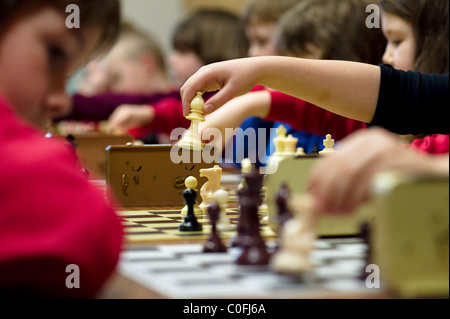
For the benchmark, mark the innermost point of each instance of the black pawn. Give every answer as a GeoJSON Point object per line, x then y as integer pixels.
{"type": "Point", "coordinates": [190, 222]}
{"type": "Point", "coordinates": [214, 244]}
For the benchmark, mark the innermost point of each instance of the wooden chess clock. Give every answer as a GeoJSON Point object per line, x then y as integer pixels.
{"type": "Point", "coordinates": [146, 175]}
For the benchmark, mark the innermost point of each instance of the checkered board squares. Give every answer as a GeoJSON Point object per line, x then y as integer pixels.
{"type": "Point", "coordinates": [184, 271]}
{"type": "Point", "coordinates": [146, 226]}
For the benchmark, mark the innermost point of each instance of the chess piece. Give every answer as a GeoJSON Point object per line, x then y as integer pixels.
{"type": "Point", "coordinates": [289, 145]}
{"type": "Point", "coordinates": [192, 139]}
{"type": "Point", "coordinates": [221, 199]}
{"type": "Point", "coordinates": [297, 238]}
{"type": "Point", "coordinates": [214, 244]}
{"type": "Point", "coordinates": [246, 167]}
{"type": "Point", "coordinates": [212, 185]}
{"type": "Point", "coordinates": [192, 182]}
{"type": "Point", "coordinates": [300, 151]}
{"type": "Point", "coordinates": [283, 211]}
{"type": "Point", "coordinates": [285, 146]}
{"type": "Point", "coordinates": [328, 142]}
{"type": "Point", "coordinates": [254, 250]}
{"type": "Point", "coordinates": [263, 209]}
{"type": "Point", "coordinates": [190, 222]}
{"type": "Point", "coordinates": [256, 182]}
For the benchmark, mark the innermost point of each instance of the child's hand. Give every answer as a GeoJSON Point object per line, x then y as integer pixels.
{"type": "Point", "coordinates": [232, 78]}
{"type": "Point", "coordinates": [129, 116]}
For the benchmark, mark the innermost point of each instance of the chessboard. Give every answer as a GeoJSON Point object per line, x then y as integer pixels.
{"type": "Point", "coordinates": [161, 225]}
{"type": "Point", "coordinates": [179, 271]}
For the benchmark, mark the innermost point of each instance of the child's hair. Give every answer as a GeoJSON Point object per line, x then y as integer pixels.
{"type": "Point", "coordinates": [265, 11]}
{"type": "Point", "coordinates": [336, 27]}
{"type": "Point", "coordinates": [105, 14]}
{"type": "Point", "coordinates": [212, 34]}
{"type": "Point", "coordinates": [134, 41]}
{"type": "Point", "coordinates": [429, 20]}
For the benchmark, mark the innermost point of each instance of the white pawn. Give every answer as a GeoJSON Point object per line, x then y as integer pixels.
{"type": "Point", "coordinates": [328, 143]}
{"type": "Point", "coordinates": [221, 198]}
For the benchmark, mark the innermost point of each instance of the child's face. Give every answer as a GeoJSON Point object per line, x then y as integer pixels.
{"type": "Point", "coordinates": [400, 42]}
{"type": "Point", "coordinates": [261, 38]}
{"type": "Point", "coordinates": [37, 54]}
{"type": "Point", "coordinates": [182, 65]}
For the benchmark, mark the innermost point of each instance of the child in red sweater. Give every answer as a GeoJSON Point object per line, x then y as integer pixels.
{"type": "Point", "coordinates": [58, 236]}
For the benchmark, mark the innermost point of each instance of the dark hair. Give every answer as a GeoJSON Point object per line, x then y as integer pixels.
{"type": "Point", "coordinates": [429, 20]}
{"type": "Point", "coordinates": [214, 35]}
{"type": "Point", "coordinates": [93, 13]}
{"type": "Point", "coordinates": [336, 27]}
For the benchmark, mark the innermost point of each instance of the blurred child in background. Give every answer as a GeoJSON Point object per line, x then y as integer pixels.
{"type": "Point", "coordinates": [133, 72]}
{"type": "Point", "coordinates": [203, 37]}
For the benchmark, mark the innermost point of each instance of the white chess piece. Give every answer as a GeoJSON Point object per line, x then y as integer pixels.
{"type": "Point", "coordinates": [192, 139]}
{"type": "Point", "coordinates": [328, 142]}
{"type": "Point", "coordinates": [221, 198]}
{"type": "Point", "coordinates": [208, 189]}
{"type": "Point", "coordinates": [246, 167]}
{"type": "Point", "coordinates": [285, 147]}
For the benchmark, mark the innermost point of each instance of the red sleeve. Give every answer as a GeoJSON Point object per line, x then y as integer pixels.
{"type": "Point", "coordinates": [302, 115]}
{"type": "Point", "coordinates": [51, 217]}
{"type": "Point", "coordinates": [258, 88]}
{"type": "Point", "coordinates": [434, 144]}
{"type": "Point", "coordinates": [168, 116]}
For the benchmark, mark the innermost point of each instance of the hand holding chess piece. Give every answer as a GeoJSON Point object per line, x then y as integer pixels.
{"type": "Point", "coordinates": [192, 139]}
{"type": "Point", "coordinates": [298, 236]}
